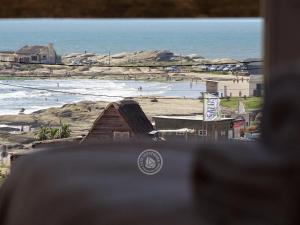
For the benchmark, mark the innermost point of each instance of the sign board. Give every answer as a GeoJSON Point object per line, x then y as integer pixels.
{"type": "Point", "coordinates": [211, 107]}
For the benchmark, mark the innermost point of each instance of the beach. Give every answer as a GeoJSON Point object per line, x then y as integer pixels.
{"type": "Point", "coordinates": [101, 61]}
{"type": "Point", "coordinates": [81, 116]}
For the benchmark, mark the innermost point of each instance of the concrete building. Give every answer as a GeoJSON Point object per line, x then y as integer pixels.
{"type": "Point", "coordinates": [217, 130]}
{"type": "Point", "coordinates": [229, 88]}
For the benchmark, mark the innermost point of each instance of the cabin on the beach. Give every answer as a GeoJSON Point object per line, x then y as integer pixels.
{"type": "Point", "coordinates": [31, 54]}
{"type": "Point", "coordinates": [194, 128]}
{"type": "Point", "coordinates": [37, 54]}
{"type": "Point", "coordinates": [120, 121]}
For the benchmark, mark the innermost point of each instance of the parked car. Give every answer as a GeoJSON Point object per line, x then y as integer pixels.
{"type": "Point", "coordinates": [226, 69]}
{"type": "Point", "coordinates": [204, 68]}
{"type": "Point", "coordinates": [212, 68]}
{"type": "Point", "coordinates": [172, 69]}
{"type": "Point", "coordinates": [220, 68]}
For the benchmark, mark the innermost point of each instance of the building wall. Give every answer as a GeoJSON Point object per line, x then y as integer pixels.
{"type": "Point", "coordinates": [111, 121]}
{"type": "Point", "coordinates": [7, 57]}
{"type": "Point", "coordinates": [234, 88]}
{"type": "Point", "coordinates": [48, 55]}
{"type": "Point", "coordinates": [216, 130]}
{"type": "Point", "coordinates": [24, 58]}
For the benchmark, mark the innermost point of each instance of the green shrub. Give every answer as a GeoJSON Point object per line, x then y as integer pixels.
{"type": "Point", "coordinates": [54, 133]}
{"type": "Point", "coordinates": [64, 131]}
{"type": "Point", "coordinates": [50, 133]}
{"type": "Point", "coordinates": [43, 133]}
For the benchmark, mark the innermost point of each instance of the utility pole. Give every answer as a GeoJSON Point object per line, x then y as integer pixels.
{"type": "Point", "coordinates": [181, 63]}
{"type": "Point", "coordinates": [109, 58]}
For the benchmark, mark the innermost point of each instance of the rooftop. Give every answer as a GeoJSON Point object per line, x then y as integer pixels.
{"type": "Point", "coordinates": [195, 118]}
{"type": "Point", "coordinates": [27, 50]}
{"type": "Point", "coordinates": [7, 52]}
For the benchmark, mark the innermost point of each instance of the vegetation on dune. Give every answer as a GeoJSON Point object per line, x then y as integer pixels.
{"type": "Point", "coordinates": [50, 133]}
{"type": "Point", "coordinates": [250, 102]}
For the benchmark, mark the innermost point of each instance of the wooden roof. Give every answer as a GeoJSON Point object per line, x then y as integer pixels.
{"type": "Point", "coordinates": [134, 116]}
{"type": "Point", "coordinates": [132, 113]}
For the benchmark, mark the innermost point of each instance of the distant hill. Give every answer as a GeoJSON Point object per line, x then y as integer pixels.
{"type": "Point", "coordinates": [129, 8]}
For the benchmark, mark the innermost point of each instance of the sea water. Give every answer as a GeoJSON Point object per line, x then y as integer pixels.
{"type": "Point", "coordinates": [33, 95]}
{"type": "Point", "coordinates": [210, 38]}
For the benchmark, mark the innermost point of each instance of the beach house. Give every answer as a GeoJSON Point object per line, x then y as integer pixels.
{"type": "Point", "coordinates": [31, 54]}
{"type": "Point", "coordinates": [120, 121]}
{"type": "Point", "coordinates": [37, 54]}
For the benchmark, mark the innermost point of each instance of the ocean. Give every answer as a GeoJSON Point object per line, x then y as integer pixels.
{"type": "Point", "coordinates": [210, 38]}
{"type": "Point", "coordinates": [33, 98]}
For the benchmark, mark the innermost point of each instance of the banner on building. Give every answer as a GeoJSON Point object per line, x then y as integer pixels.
{"type": "Point", "coordinates": [211, 107]}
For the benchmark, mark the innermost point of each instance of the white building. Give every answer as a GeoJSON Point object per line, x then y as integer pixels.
{"type": "Point", "coordinates": [31, 54]}
{"type": "Point", "coordinates": [37, 54]}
